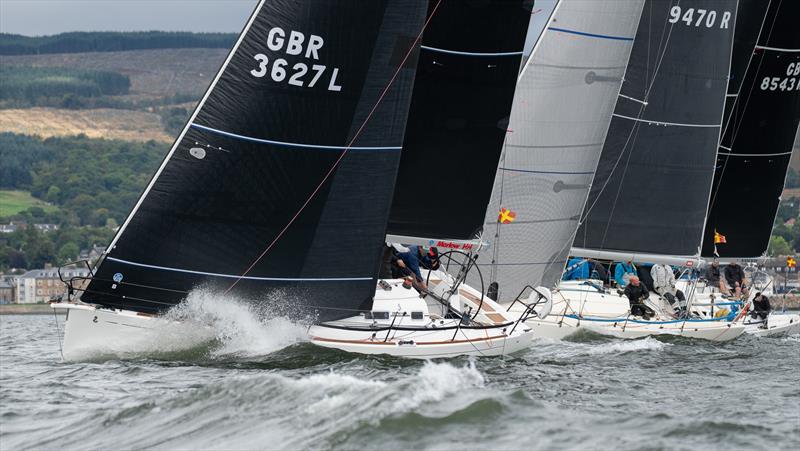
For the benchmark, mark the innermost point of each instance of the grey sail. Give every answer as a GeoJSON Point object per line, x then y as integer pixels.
{"type": "Point", "coordinates": [652, 185]}
{"type": "Point", "coordinates": [562, 109]}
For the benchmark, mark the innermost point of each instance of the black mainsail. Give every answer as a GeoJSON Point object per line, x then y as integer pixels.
{"type": "Point", "coordinates": [468, 67]}
{"type": "Point", "coordinates": [650, 192]}
{"type": "Point", "coordinates": [761, 123]}
{"type": "Point", "coordinates": [283, 177]}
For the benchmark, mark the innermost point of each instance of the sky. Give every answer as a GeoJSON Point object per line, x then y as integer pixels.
{"type": "Point", "coordinates": [46, 17]}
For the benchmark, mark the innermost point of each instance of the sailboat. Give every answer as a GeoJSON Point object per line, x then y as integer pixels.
{"type": "Point", "coordinates": [458, 120]}
{"type": "Point", "coordinates": [280, 187]}
{"type": "Point", "coordinates": [645, 205]}
{"type": "Point", "coordinates": [761, 132]}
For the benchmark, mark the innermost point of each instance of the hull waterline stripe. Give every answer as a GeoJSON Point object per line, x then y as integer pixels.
{"type": "Point", "coordinates": [734, 154]}
{"type": "Point", "coordinates": [777, 49]}
{"type": "Point", "coordinates": [234, 276]}
{"type": "Point", "coordinates": [456, 52]}
{"type": "Point", "coordinates": [288, 144]}
{"type": "Point", "coordinates": [547, 172]}
{"type": "Point", "coordinates": [668, 124]}
{"type": "Point", "coordinates": [590, 35]}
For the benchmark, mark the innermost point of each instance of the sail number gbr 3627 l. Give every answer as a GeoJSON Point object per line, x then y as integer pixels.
{"type": "Point", "coordinates": [299, 74]}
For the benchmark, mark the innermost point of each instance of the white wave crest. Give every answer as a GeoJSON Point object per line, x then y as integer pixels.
{"type": "Point", "coordinates": [619, 347]}
{"type": "Point", "coordinates": [241, 327]}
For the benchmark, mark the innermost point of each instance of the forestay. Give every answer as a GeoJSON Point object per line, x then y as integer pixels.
{"type": "Point", "coordinates": [464, 87]}
{"type": "Point", "coordinates": [561, 113]}
{"type": "Point", "coordinates": [760, 127]}
{"type": "Point", "coordinates": [285, 170]}
{"type": "Point", "coordinates": [651, 190]}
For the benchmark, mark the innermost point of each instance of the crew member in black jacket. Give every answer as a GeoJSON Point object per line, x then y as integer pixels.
{"type": "Point", "coordinates": [637, 294]}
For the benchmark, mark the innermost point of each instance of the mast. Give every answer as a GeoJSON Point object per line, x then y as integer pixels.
{"type": "Point", "coordinates": [284, 171]}
{"type": "Point", "coordinates": [762, 120]}
{"type": "Point", "coordinates": [562, 108]}
{"type": "Point", "coordinates": [650, 192]}
{"type": "Point", "coordinates": [465, 81]}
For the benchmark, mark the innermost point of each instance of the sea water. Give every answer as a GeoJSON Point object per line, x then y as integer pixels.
{"type": "Point", "coordinates": [261, 386]}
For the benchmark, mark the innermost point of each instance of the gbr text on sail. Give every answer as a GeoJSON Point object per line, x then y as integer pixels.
{"type": "Point", "coordinates": [301, 74]}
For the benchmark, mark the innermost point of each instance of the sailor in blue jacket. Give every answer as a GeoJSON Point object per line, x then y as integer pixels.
{"type": "Point", "coordinates": [416, 257]}
{"type": "Point", "coordinates": [622, 272]}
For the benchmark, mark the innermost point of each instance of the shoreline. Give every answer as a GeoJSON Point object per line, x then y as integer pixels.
{"type": "Point", "coordinates": [27, 309]}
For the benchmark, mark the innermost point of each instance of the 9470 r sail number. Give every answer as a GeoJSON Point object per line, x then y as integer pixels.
{"type": "Point", "coordinates": [298, 74]}
{"type": "Point", "coordinates": [700, 17]}
{"type": "Point", "coordinates": [786, 83]}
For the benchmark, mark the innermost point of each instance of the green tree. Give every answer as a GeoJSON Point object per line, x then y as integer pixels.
{"type": "Point", "coordinates": [68, 252]}
{"type": "Point", "coordinates": [778, 246]}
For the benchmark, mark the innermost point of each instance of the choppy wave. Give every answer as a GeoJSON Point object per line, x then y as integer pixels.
{"type": "Point", "coordinates": [242, 329]}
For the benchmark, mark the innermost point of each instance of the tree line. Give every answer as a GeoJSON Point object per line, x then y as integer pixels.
{"type": "Point", "coordinates": [27, 86]}
{"type": "Point", "coordinates": [107, 41]}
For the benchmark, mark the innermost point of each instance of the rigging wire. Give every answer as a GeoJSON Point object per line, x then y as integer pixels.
{"type": "Point", "coordinates": [344, 152]}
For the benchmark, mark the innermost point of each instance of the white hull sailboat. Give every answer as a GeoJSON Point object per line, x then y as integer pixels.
{"type": "Point", "coordinates": [582, 305]}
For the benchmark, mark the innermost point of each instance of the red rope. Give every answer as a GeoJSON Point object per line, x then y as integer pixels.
{"type": "Point", "coordinates": [344, 152]}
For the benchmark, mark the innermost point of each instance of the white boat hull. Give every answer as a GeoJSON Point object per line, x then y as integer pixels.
{"type": "Point", "coordinates": [777, 326]}
{"type": "Point", "coordinates": [91, 332]}
{"type": "Point", "coordinates": [425, 343]}
{"type": "Point", "coordinates": [598, 312]}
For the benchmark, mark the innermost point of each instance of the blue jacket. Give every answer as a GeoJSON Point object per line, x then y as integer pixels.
{"type": "Point", "coordinates": [620, 270]}
{"type": "Point", "coordinates": [577, 269]}
{"type": "Point", "coordinates": [411, 259]}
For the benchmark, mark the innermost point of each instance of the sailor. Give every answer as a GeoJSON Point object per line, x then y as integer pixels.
{"type": "Point", "coordinates": [623, 272]}
{"type": "Point", "coordinates": [734, 277]}
{"type": "Point", "coordinates": [714, 278]}
{"type": "Point", "coordinates": [416, 256]}
{"type": "Point", "coordinates": [761, 309]}
{"type": "Point", "coordinates": [664, 285]}
{"type": "Point", "coordinates": [637, 294]}
{"type": "Point", "coordinates": [598, 271]}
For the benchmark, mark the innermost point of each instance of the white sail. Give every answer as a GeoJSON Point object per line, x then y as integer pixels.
{"type": "Point", "coordinates": [561, 113]}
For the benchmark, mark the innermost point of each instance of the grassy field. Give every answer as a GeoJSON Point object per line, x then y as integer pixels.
{"type": "Point", "coordinates": [108, 123]}
{"type": "Point", "coordinates": [13, 202]}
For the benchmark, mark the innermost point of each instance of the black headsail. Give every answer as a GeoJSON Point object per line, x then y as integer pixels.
{"type": "Point", "coordinates": [468, 68]}
{"type": "Point", "coordinates": [760, 126]}
{"type": "Point", "coordinates": [283, 177]}
{"type": "Point", "coordinates": [651, 188]}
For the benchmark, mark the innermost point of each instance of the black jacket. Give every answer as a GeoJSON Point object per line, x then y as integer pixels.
{"type": "Point", "coordinates": [734, 274]}
{"type": "Point", "coordinates": [761, 304]}
{"type": "Point", "coordinates": [712, 274]}
{"type": "Point", "coordinates": [636, 295]}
